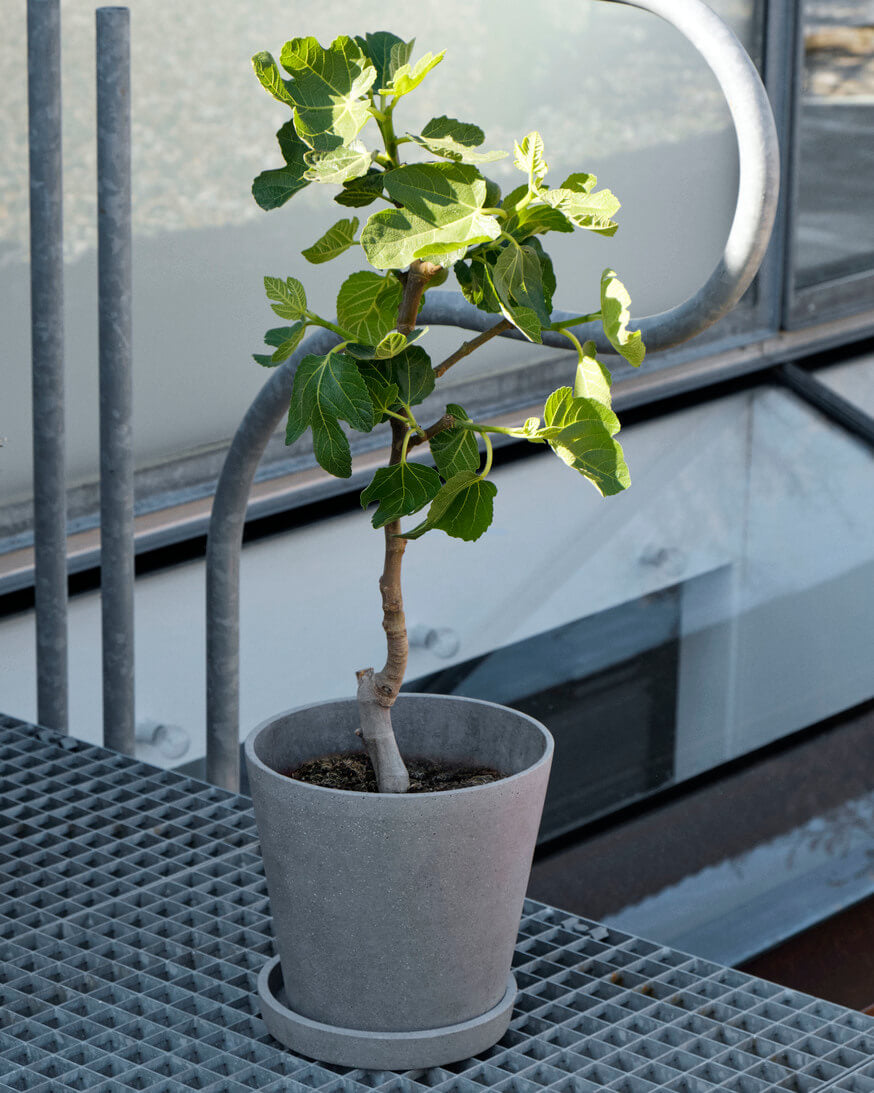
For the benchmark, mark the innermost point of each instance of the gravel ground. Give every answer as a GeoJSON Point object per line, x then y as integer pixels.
{"type": "Point", "coordinates": [839, 49]}
{"type": "Point", "coordinates": [852, 13]}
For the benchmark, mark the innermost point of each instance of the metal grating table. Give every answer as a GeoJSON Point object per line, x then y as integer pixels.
{"type": "Point", "coordinates": [134, 919]}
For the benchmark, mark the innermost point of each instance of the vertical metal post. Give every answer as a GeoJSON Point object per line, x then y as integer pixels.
{"type": "Point", "coordinates": [47, 342]}
{"type": "Point", "coordinates": [116, 436]}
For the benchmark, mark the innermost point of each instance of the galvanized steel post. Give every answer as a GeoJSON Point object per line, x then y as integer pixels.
{"type": "Point", "coordinates": [47, 340]}
{"type": "Point", "coordinates": [116, 435]}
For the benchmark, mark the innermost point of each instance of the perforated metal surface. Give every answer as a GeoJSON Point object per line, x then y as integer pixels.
{"type": "Point", "coordinates": [134, 918]}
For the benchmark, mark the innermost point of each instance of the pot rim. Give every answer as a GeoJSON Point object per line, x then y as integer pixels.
{"type": "Point", "coordinates": [253, 759]}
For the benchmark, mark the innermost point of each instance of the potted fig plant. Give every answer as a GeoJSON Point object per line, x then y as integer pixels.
{"type": "Point", "coordinates": [396, 906]}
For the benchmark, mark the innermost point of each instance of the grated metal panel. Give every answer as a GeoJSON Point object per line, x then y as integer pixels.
{"type": "Point", "coordinates": [134, 919]}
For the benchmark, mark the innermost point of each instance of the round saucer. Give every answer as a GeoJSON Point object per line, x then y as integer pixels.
{"type": "Point", "coordinates": [378, 1050]}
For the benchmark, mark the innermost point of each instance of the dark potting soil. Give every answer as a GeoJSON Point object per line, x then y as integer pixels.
{"type": "Point", "coordinates": [352, 770]}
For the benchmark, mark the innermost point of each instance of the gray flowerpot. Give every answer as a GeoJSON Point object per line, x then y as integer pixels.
{"type": "Point", "coordinates": [396, 915]}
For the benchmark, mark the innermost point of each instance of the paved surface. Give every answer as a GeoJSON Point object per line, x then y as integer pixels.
{"type": "Point", "coordinates": [134, 918]}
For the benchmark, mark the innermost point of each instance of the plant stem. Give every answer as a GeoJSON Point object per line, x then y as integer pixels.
{"type": "Point", "coordinates": [316, 320]}
{"type": "Point", "coordinates": [406, 445]}
{"type": "Point", "coordinates": [489, 453]}
{"type": "Point", "coordinates": [467, 348]}
{"type": "Point", "coordinates": [415, 427]}
{"type": "Point", "coordinates": [575, 341]}
{"type": "Point", "coordinates": [575, 321]}
{"type": "Point", "coordinates": [475, 427]}
{"type": "Point", "coordinates": [389, 680]}
{"type": "Point", "coordinates": [386, 128]}
{"type": "Point", "coordinates": [378, 691]}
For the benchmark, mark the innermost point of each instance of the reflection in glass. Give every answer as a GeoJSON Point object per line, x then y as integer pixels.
{"type": "Point", "coordinates": [835, 225]}
{"type": "Point", "coordinates": [606, 688]}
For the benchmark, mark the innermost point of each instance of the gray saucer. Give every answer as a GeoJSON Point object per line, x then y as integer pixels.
{"type": "Point", "coordinates": [378, 1050]}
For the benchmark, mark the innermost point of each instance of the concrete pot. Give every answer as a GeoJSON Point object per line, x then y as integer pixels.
{"type": "Point", "coordinates": [396, 915]}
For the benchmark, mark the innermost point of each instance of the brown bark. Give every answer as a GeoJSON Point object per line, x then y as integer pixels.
{"type": "Point", "coordinates": [467, 348]}
{"type": "Point", "coordinates": [415, 282]}
{"type": "Point", "coordinates": [377, 691]}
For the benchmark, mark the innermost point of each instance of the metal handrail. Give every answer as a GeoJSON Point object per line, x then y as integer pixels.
{"type": "Point", "coordinates": [744, 249]}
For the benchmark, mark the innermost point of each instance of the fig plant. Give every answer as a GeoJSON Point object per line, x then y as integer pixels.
{"type": "Point", "coordinates": [443, 214]}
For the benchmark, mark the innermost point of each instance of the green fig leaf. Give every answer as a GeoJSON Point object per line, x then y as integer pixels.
{"type": "Point", "coordinates": [289, 297]}
{"type": "Point", "coordinates": [442, 213]}
{"type": "Point", "coordinates": [593, 211]}
{"type": "Point", "coordinates": [388, 53]}
{"type": "Point", "coordinates": [389, 346]}
{"type": "Point", "coordinates": [367, 306]}
{"type": "Point", "coordinates": [358, 192]}
{"type": "Point", "coordinates": [288, 346]}
{"type": "Point", "coordinates": [279, 334]}
{"type": "Point", "coordinates": [529, 157]}
{"type": "Point", "coordinates": [536, 219]}
{"type": "Point", "coordinates": [328, 389]}
{"type": "Point", "coordinates": [327, 90]}
{"type": "Point", "coordinates": [615, 317]}
{"type": "Point", "coordinates": [270, 78]}
{"type": "Point", "coordinates": [412, 372]}
{"type": "Point", "coordinates": [463, 508]}
{"type": "Point", "coordinates": [455, 450]}
{"type": "Point", "coordinates": [383, 394]}
{"type": "Point", "coordinates": [518, 279]}
{"type": "Point", "coordinates": [339, 165]}
{"type": "Point", "coordinates": [593, 379]}
{"type": "Point", "coordinates": [455, 140]}
{"type": "Point", "coordinates": [336, 241]}
{"type": "Point", "coordinates": [581, 433]}
{"type": "Point", "coordinates": [271, 189]}
{"type": "Point", "coordinates": [401, 489]}
{"type": "Point", "coordinates": [408, 77]}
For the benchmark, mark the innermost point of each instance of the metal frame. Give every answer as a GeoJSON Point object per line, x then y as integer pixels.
{"type": "Point", "coordinates": [802, 307]}
{"type": "Point", "coordinates": [830, 404]}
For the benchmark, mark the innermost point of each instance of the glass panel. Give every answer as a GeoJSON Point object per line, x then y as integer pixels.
{"type": "Point", "coordinates": [835, 218]}
{"type": "Point", "coordinates": [610, 678]}
{"type": "Point", "coordinates": [855, 381]}
{"type": "Point", "coordinates": [724, 601]}
{"type": "Point", "coordinates": [614, 90]}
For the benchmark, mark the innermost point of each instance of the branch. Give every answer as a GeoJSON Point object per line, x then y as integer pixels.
{"type": "Point", "coordinates": [445, 422]}
{"type": "Point", "coordinates": [467, 348]}
{"type": "Point", "coordinates": [415, 282]}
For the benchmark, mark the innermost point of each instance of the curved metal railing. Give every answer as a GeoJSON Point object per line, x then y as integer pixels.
{"type": "Point", "coordinates": [748, 237]}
